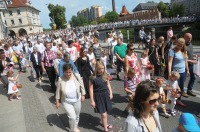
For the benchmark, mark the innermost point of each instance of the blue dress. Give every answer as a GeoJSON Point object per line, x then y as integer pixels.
{"type": "Point", "coordinates": [101, 95]}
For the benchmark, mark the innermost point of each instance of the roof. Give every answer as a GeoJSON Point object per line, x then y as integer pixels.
{"type": "Point", "coordinates": [124, 11]}
{"type": "Point", "coordinates": [145, 6]}
{"type": "Point", "coordinates": [18, 3]}
{"type": "Point", "coordinates": [21, 3]}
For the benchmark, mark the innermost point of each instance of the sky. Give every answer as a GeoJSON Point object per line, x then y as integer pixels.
{"type": "Point", "coordinates": [73, 6]}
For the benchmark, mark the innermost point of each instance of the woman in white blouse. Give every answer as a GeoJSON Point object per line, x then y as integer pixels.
{"type": "Point", "coordinates": [71, 92]}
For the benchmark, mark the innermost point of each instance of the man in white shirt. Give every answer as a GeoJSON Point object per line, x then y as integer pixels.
{"type": "Point", "coordinates": [40, 46]}
{"type": "Point", "coordinates": [18, 51]}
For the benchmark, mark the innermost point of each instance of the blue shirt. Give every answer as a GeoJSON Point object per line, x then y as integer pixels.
{"type": "Point", "coordinates": [61, 64]}
{"type": "Point", "coordinates": [178, 62]}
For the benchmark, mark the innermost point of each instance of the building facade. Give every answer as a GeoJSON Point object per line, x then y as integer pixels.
{"type": "Point", "coordinates": [21, 18]}
{"type": "Point", "coordinates": [91, 13]}
{"type": "Point", "coordinates": [192, 7]}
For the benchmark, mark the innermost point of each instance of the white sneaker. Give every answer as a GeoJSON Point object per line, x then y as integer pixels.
{"type": "Point", "coordinates": [173, 113]}
{"type": "Point", "coordinates": [166, 114]}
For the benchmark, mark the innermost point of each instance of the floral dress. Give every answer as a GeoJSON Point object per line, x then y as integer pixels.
{"type": "Point", "coordinates": [132, 61]}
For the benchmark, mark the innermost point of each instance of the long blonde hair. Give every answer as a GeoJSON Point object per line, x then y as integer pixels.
{"type": "Point", "coordinates": [183, 50]}
{"type": "Point", "coordinates": [104, 75]}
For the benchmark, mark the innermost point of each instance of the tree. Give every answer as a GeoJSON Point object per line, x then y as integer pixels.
{"type": "Point", "coordinates": [150, 2]}
{"type": "Point", "coordinates": [177, 10]}
{"type": "Point", "coordinates": [78, 21]}
{"type": "Point", "coordinates": [111, 16]}
{"type": "Point", "coordinates": [164, 9]}
{"type": "Point", "coordinates": [103, 20]}
{"type": "Point", "coordinates": [57, 15]}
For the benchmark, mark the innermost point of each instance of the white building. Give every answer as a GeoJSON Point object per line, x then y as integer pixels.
{"type": "Point", "coordinates": [95, 12]}
{"type": "Point", "coordinates": [22, 18]}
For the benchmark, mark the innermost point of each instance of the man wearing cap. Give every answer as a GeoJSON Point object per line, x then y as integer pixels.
{"type": "Point", "coordinates": [187, 123]}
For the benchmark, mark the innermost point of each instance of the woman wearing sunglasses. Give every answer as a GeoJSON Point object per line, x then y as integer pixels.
{"type": "Point", "coordinates": [145, 117]}
{"type": "Point", "coordinates": [131, 61]}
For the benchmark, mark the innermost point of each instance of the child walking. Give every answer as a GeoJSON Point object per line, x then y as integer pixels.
{"type": "Point", "coordinates": [173, 90]}
{"type": "Point", "coordinates": [101, 93]}
{"type": "Point", "coordinates": [12, 86]}
{"type": "Point", "coordinates": [145, 71]}
{"type": "Point", "coordinates": [130, 84]}
{"type": "Point", "coordinates": [163, 98]}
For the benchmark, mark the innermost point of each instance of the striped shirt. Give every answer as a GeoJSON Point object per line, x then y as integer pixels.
{"type": "Point", "coordinates": [48, 58]}
{"type": "Point", "coordinates": [130, 83]}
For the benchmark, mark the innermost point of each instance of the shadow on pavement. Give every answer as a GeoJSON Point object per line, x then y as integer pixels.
{"type": "Point", "coordinates": [51, 120]}
{"type": "Point", "coordinates": [88, 121]}
{"type": "Point", "coordinates": [31, 78]}
{"type": "Point", "coordinates": [118, 98]}
{"type": "Point", "coordinates": [192, 107]}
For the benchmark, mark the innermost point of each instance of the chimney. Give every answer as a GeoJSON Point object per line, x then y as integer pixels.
{"type": "Point", "coordinates": [113, 5]}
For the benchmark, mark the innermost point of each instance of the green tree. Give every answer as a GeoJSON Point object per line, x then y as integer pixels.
{"type": "Point", "coordinates": [93, 22]}
{"type": "Point", "coordinates": [111, 16]}
{"type": "Point", "coordinates": [57, 15]}
{"type": "Point", "coordinates": [150, 2]}
{"type": "Point", "coordinates": [164, 9]}
{"type": "Point", "coordinates": [103, 20]}
{"type": "Point", "coordinates": [78, 21]}
{"type": "Point", "coordinates": [177, 9]}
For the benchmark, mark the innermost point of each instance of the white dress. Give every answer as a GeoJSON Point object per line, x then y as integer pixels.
{"type": "Point", "coordinates": [10, 86]}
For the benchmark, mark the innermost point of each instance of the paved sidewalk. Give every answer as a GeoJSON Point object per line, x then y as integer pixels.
{"type": "Point", "coordinates": [11, 114]}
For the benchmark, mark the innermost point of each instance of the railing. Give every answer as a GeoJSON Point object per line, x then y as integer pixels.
{"type": "Point", "coordinates": [121, 24]}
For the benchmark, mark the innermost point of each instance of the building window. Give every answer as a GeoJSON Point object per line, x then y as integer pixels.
{"type": "Point", "coordinates": [32, 13]}
{"type": "Point", "coordinates": [3, 13]}
{"type": "Point", "coordinates": [10, 13]}
{"type": "Point", "coordinates": [5, 22]}
{"type": "Point", "coordinates": [20, 21]}
{"type": "Point", "coordinates": [12, 22]}
{"type": "Point", "coordinates": [18, 12]}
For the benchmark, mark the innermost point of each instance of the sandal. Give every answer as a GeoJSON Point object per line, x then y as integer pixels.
{"type": "Point", "coordinates": [108, 127]}
{"type": "Point", "coordinates": [18, 98]}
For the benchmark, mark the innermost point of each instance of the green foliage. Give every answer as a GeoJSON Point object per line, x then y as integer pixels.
{"type": "Point", "coordinates": [103, 20]}
{"type": "Point", "coordinates": [164, 9]}
{"type": "Point", "coordinates": [111, 16]}
{"type": "Point", "coordinates": [93, 22]}
{"type": "Point", "coordinates": [57, 15]}
{"type": "Point", "coordinates": [177, 9]}
{"type": "Point", "coordinates": [78, 21]}
{"type": "Point", "coordinates": [150, 2]}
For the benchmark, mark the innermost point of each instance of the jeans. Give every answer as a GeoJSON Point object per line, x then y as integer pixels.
{"type": "Point", "coordinates": [73, 112]}
{"type": "Point", "coordinates": [192, 77]}
{"type": "Point", "coordinates": [181, 81]}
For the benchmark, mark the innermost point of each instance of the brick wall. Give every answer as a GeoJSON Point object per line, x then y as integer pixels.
{"type": "Point", "coordinates": [149, 14]}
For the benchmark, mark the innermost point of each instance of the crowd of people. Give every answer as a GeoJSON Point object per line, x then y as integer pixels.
{"type": "Point", "coordinates": [137, 22]}
{"type": "Point", "coordinates": [79, 68]}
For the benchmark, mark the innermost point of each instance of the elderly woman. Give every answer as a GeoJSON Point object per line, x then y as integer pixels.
{"type": "Point", "coordinates": [35, 62]}
{"type": "Point", "coordinates": [145, 116]}
{"type": "Point", "coordinates": [177, 61]}
{"type": "Point", "coordinates": [71, 91]}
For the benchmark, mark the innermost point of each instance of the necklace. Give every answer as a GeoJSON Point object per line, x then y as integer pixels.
{"type": "Point", "coordinates": [145, 125]}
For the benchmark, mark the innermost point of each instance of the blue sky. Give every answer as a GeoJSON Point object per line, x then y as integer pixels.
{"type": "Point", "coordinates": [72, 6]}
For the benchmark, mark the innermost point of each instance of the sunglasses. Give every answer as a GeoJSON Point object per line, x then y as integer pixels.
{"type": "Point", "coordinates": [131, 49]}
{"type": "Point", "coordinates": [153, 101]}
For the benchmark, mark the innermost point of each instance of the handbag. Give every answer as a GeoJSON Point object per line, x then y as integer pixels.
{"type": "Point", "coordinates": [196, 67]}
{"type": "Point", "coordinates": [19, 85]}
{"type": "Point", "coordinates": [33, 73]}
{"type": "Point", "coordinates": [14, 88]}
{"type": "Point", "coordinates": [175, 94]}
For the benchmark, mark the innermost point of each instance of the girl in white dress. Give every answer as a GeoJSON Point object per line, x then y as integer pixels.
{"type": "Point", "coordinates": [12, 87]}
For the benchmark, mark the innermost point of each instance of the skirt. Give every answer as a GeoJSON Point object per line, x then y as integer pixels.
{"type": "Point", "coordinates": [102, 102]}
